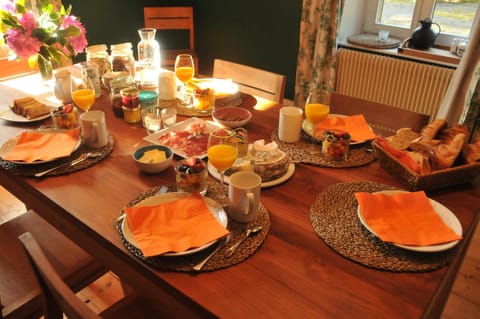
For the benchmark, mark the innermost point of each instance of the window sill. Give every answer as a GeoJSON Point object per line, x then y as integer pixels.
{"type": "Point", "coordinates": [437, 56]}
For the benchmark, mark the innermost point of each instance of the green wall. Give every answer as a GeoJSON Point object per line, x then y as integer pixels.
{"type": "Point", "coordinates": [260, 33]}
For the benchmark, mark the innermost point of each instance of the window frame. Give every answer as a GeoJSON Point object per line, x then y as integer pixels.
{"type": "Point", "coordinates": [423, 9]}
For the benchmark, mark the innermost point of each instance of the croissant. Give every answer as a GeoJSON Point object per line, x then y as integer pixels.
{"type": "Point", "coordinates": [430, 131]}
{"type": "Point", "coordinates": [444, 155]}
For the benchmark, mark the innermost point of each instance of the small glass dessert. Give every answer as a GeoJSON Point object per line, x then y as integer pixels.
{"type": "Point", "coordinates": [191, 175]}
{"type": "Point", "coordinates": [335, 145]}
{"type": "Point", "coordinates": [65, 117]}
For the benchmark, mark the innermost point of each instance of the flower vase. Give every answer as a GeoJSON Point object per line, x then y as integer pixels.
{"type": "Point", "coordinates": [46, 69]}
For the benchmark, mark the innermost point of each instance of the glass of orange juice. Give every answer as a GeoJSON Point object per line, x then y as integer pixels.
{"type": "Point", "coordinates": [185, 70]}
{"type": "Point", "coordinates": [222, 151]}
{"type": "Point", "coordinates": [83, 93]}
{"type": "Point", "coordinates": [317, 107]}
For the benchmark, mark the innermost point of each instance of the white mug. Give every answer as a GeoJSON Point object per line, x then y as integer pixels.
{"type": "Point", "coordinates": [94, 128]}
{"type": "Point", "coordinates": [290, 124]}
{"type": "Point", "coordinates": [167, 85]}
{"type": "Point", "coordinates": [244, 196]}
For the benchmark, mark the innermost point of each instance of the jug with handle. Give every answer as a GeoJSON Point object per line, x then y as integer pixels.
{"type": "Point", "coordinates": [423, 37]}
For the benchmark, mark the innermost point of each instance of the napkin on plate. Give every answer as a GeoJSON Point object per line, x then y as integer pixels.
{"type": "Point", "coordinates": [355, 125]}
{"type": "Point", "coordinates": [35, 146]}
{"type": "Point", "coordinates": [405, 218]}
{"type": "Point", "coordinates": [174, 226]}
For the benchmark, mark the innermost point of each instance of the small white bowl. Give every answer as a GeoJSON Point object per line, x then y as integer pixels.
{"type": "Point", "coordinates": [232, 116]}
{"type": "Point", "coordinates": [157, 167]}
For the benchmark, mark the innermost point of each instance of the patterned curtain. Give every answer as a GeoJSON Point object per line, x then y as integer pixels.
{"type": "Point", "coordinates": [461, 103]}
{"type": "Point", "coordinates": [317, 48]}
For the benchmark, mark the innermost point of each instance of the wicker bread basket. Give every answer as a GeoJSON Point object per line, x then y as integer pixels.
{"type": "Point", "coordinates": [436, 179]}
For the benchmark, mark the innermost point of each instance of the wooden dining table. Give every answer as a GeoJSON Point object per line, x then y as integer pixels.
{"type": "Point", "coordinates": [293, 274]}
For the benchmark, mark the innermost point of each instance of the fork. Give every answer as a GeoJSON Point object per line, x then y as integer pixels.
{"type": "Point", "coordinates": [79, 159]}
{"type": "Point", "coordinates": [202, 263]}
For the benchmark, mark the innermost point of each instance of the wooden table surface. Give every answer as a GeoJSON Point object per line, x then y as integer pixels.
{"type": "Point", "coordinates": [293, 275]}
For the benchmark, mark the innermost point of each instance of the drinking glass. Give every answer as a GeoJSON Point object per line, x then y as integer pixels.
{"type": "Point", "coordinates": [83, 93]}
{"type": "Point", "coordinates": [184, 70]}
{"type": "Point", "coordinates": [222, 151]}
{"type": "Point", "coordinates": [317, 107]}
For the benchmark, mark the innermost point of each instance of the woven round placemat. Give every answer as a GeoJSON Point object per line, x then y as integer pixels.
{"type": "Point", "coordinates": [334, 218]}
{"type": "Point", "coordinates": [234, 100]}
{"type": "Point", "coordinates": [31, 170]}
{"type": "Point", "coordinates": [301, 151]}
{"type": "Point", "coordinates": [217, 261]}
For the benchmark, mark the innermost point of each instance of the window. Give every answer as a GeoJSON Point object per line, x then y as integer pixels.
{"type": "Point", "coordinates": [401, 17]}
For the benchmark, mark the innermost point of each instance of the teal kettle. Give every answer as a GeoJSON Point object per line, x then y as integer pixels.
{"type": "Point", "coordinates": [423, 37]}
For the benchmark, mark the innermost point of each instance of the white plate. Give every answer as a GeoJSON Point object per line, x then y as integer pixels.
{"type": "Point", "coordinates": [7, 147]}
{"type": "Point", "coordinates": [445, 214]}
{"type": "Point", "coordinates": [291, 169]}
{"type": "Point", "coordinates": [178, 127]}
{"type": "Point", "coordinates": [9, 115]}
{"type": "Point", "coordinates": [308, 128]}
{"type": "Point", "coordinates": [214, 207]}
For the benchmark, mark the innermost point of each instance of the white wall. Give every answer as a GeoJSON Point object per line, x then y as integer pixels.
{"type": "Point", "coordinates": [352, 20]}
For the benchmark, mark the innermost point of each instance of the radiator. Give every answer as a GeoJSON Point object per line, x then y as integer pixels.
{"type": "Point", "coordinates": [397, 82]}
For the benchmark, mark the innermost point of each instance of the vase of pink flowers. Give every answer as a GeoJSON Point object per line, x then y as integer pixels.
{"type": "Point", "coordinates": [46, 39]}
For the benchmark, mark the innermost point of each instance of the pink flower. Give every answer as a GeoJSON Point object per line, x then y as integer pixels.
{"type": "Point", "coordinates": [22, 43]}
{"type": "Point", "coordinates": [79, 42]}
{"type": "Point", "coordinates": [8, 6]}
{"type": "Point", "coordinates": [28, 22]}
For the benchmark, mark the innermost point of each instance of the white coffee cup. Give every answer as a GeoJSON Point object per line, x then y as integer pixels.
{"type": "Point", "coordinates": [167, 85]}
{"type": "Point", "coordinates": [94, 128]}
{"type": "Point", "coordinates": [290, 124]}
{"type": "Point", "coordinates": [244, 196]}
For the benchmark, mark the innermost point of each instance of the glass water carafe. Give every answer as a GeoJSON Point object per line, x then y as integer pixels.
{"type": "Point", "coordinates": [148, 57]}
{"type": "Point", "coordinates": [148, 48]}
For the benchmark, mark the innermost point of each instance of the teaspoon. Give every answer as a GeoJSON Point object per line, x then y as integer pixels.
{"type": "Point", "coordinates": [250, 231]}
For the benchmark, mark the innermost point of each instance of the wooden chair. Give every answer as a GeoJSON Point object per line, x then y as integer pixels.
{"type": "Point", "coordinates": [20, 293]}
{"type": "Point", "coordinates": [175, 19]}
{"type": "Point", "coordinates": [385, 120]}
{"type": "Point", "coordinates": [251, 80]}
{"type": "Point", "coordinates": [60, 299]}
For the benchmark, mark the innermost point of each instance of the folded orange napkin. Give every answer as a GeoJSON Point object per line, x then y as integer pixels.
{"type": "Point", "coordinates": [34, 146]}
{"type": "Point", "coordinates": [355, 125]}
{"type": "Point", "coordinates": [404, 218]}
{"type": "Point", "coordinates": [174, 226]}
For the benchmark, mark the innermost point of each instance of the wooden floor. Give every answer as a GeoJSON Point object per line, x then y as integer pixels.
{"type": "Point", "coordinates": [463, 302]}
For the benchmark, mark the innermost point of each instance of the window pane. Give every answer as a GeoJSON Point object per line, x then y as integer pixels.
{"type": "Point", "coordinates": [397, 12]}
{"type": "Point", "coordinates": [455, 17]}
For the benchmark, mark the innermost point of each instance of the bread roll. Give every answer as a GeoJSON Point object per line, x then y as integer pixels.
{"type": "Point", "coordinates": [402, 139]}
{"type": "Point", "coordinates": [422, 161]}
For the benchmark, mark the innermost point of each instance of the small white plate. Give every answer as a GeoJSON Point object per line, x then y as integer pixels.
{"type": "Point", "coordinates": [179, 127]}
{"type": "Point", "coordinates": [7, 147]}
{"type": "Point", "coordinates": [10, 116]}
{"type": "Point", "coordinates": [288, 174]}
{"type": "Point", "coordinates": [213, 206]}
{"type": "Point", "coordinates": [445, 214]}
{"type": "Point", "coordinates": [308, 129]}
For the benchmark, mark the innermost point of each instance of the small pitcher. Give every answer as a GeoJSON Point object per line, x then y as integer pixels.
{"type": "Point", "coordinates": [423, 37]}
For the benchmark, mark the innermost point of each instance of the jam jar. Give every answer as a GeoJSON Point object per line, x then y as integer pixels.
{"type": "Point", "coordinates": [335, 145]}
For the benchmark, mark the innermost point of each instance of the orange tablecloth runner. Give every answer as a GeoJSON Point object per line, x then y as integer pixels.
{"type": "Point", "coordinates": [355, 125]}
{"type": "Point", "coordinates": [174, 226]}
{"type": "Point", "coordinates": [404, 218]}
{"type": "Point", "coordinates": [35, 146]}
